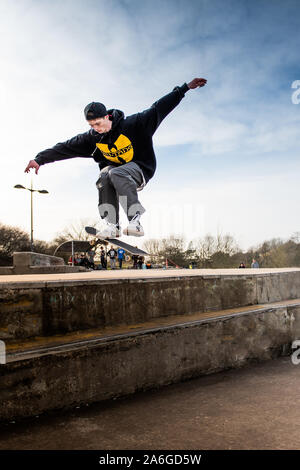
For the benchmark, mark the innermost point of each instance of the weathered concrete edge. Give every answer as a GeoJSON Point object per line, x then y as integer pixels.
{"type": "Point", "coordinates": [29, 258]}
{"type": "Point", "coordinates": [127, 280]}
{"type": "Point", "coordinates": [78, 282]}
{"type": "Point", "coordinates": [83, 344]}
{"type": "Point", "coordinates": [124, 366]}
{"type": "Point", "coordinates": [54, 310]}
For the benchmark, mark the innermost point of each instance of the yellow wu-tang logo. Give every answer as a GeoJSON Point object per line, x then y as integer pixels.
{"type": "Point", "coordinates": [120, 152]}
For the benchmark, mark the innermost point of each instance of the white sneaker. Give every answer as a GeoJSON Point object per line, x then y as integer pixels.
{"type": "Point", "coordinates": [134, 228]}
{"type": "Point", "coordinates": [109, 231]}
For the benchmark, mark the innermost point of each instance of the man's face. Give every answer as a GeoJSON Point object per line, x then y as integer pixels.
{"type": "Point", "coordinates": [101, 125]}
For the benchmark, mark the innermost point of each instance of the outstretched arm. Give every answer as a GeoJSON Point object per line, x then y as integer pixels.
{"type": "Point", "coordinates": [81, 145]}
{"type": "Point", "coordinates": [151, 118]}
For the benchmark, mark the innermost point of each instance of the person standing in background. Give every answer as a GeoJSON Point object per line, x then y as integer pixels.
{"type": "Point", "coordinates": [103, 258]}
{"type": "Point", "coordinates": [112, 257]}
{"type": "Point", "coordinates": [121, 254]}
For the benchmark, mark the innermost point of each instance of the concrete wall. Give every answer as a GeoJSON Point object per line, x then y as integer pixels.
{"type": "Point", "coordinates": [43, 309]}
{"type": "Point", "coordinates": [94, 368]}
{"type": "Point", "coordinates": [140, 361]}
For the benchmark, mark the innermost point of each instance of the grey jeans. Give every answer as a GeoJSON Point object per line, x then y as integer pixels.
{"type": "Point", "coordinates": [120, 185]}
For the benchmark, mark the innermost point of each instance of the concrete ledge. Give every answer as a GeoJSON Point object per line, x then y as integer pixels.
{"type": "Point", "coordinates": [71, 305]}
{"type": "Point", "coordinates": [26, 262]}
{"type": "Point", "coordinates": [7, 270]}
{"type": "Point", "coordinates": [12, 270]}
{"type": "Point", "coordinates": [28, 258]}
{"type": "Point", "coordinates": [97, 370]}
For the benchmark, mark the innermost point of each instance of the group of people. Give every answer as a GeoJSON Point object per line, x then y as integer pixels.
{"type": "Point", "coordinates": [254, 264]}
{"type": "Point", "coordinates": [83, 259]}
{"type": "Point", "coordinates": [114, 255]}
{"type": "Point", "coordinates": [139, 262]}
{"type": "Point", "coordinates": [119, 255]}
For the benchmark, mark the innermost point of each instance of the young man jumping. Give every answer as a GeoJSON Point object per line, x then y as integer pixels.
{"type": "Point", "coordinates": [123, 148]}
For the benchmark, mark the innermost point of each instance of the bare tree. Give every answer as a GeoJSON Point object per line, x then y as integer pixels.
{"type": "Point", "coordinates": [227, 244]}
{"type": "Point", "coordinates": [12, 239]}
{"type": "Point", "coordinates": [205, 247]}
{"type": "Point", "coordinates": [295, 237]}
{"type": "Point", "coordinates": [171, 248]}
{"type": "Point", "coordinates": [75, 231]}
{"type": "Point", "coordinates": [15, 239]}
{"type": "Point", "coordinates": [152, 246]}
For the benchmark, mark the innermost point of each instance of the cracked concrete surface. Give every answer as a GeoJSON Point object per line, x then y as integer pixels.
{"type": "Point", "coordinates": [256, 407]}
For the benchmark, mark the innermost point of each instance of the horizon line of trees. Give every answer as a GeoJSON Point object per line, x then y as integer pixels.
{"type": "Point", "coordinates": [220, 251]}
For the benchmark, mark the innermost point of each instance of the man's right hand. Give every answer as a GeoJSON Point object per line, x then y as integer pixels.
{"type": "Point", "coordinates": [32, 164]}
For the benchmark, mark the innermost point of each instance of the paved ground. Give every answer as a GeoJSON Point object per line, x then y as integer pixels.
{"type": "Point", "coordinates": [257, 407]}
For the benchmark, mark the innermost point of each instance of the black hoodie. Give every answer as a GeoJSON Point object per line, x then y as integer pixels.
{"type": "Point", "coordinates": [130, 138]}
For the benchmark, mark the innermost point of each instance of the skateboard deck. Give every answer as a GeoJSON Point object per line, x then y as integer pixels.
{"type": "Point", "coordinates": [133, 250]}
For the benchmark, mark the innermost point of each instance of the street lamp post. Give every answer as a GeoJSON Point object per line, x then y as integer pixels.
{"type": "Point", "coordinates": [42, 191]}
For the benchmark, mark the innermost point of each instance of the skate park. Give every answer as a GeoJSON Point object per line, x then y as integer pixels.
{"type": "Point", "coordinates": [161, 141]}
{"type": "Point", "coordinates": [70, 340]}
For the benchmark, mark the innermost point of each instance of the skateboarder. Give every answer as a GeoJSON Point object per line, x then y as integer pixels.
{"type": "Point", "coordinates": [123, 148]}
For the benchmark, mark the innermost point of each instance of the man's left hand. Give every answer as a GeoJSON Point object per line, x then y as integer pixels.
{"type": "Point", "coordinates": [197, 83]}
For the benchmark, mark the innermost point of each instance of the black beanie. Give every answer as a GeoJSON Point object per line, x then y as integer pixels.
{"type": "Point", "coordinates": [94, 110]}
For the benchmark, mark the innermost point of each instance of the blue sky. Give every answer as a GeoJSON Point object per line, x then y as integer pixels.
{"type": "Point", "coordinates": [228, 155]}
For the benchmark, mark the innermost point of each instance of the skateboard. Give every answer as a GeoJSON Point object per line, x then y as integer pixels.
{"type": "Point", "coordinates": [133, 250]}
